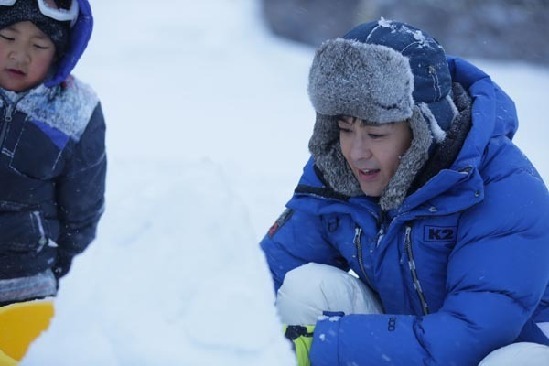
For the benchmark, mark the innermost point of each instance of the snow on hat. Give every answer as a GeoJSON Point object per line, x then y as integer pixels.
{"type": "Point", "coordinates": [381, 72]}
{"type": "Point", "coordinates": [27, 10]}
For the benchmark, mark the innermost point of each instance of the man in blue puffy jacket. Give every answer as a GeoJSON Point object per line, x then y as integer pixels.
{"type": "Point", "coordinates": [420, 204]}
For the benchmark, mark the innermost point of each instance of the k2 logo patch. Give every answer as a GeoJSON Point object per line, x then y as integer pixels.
{"type": "Point", "coordinates": [439, 233]}
{"type": "Point", "coordinates": [282, 219]}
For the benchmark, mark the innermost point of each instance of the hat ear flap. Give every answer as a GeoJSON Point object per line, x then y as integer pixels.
{"type": "Point", "coordinates": [325, 148]}
{"type": "Point", "coordinates": [411, 162]}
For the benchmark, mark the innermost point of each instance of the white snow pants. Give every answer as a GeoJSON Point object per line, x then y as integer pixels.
{"type": "Point", "coordinates": [311, 289]}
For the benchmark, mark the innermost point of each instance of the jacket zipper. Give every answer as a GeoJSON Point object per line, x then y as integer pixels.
{"type": "Point", "coordinates": [8, 116]}
{"type": "Point", "coordinates": [358, 244]}
{"type": "Point", "coordinates": [412, 266]}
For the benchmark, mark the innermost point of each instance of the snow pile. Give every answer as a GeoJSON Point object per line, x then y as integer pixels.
{"type": "Point", "coordinates": [175, 278]}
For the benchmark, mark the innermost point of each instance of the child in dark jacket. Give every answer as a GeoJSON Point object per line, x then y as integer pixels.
{"type": "Point", "coordinates": [52, 161]}
{"type": "Point", "coordinates": [52, 146]}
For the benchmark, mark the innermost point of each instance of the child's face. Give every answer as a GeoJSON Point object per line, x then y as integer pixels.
{"type": "Point", "coordinates": [26, 55]}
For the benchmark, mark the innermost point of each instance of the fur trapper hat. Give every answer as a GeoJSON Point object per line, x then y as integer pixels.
{"type": "Point", "coordinates": [27, 10]}
{"type": "Point", "coordinates": [380, 72]}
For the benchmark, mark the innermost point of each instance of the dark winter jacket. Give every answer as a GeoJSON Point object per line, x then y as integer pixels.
{"type": "Point", "coordinates": [52, 167]}
{"type": "Point", "coordinates": [461, 266]}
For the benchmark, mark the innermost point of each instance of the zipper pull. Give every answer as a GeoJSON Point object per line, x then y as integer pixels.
{"type": "Point", "coordinates": [382, 226]}
{"type": "Point", "coordinates": [380, 235]}
{"type": "Point", "coordinates": [358, 234]}
{"type": "Point", "coordinates": [8, 116]}
{"type": "Point", "coordinates": [9, 112]}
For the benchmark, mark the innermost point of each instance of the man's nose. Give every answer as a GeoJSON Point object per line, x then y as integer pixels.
{"type": "Point", "coordinates": [360, 147]}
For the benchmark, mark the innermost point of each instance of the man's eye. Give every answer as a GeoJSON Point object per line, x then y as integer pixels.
{"type": "Point", "coordinates": [344, 129]}
{"type": "Point", "coordinates": [375, 136]}
{"type": "Point", "coordinates": [3, 36]}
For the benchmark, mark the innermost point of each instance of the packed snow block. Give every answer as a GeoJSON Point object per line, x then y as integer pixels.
{"type": "Point", "coordinates": [175, 278]}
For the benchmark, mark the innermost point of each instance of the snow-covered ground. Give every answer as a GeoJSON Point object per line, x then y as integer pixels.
{"type": "Point", "coordinates": [208, 121]}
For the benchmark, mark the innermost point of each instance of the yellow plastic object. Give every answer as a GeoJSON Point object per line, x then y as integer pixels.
{"type": "Point", "coordinates": [20, 324]}
{"type": "Point", "coordinates": [6, 360]}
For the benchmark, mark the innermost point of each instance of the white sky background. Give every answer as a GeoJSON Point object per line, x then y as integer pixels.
{"type": "Point", "coordinates": [208, 122]}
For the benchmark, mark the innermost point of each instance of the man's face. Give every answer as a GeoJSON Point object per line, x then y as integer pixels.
{"type": "Point", "coordinates": [373, 152]}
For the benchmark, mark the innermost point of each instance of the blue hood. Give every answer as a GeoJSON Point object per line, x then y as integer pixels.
{"type": "Point", "coordinates": [80, 35]}
{"type": "Point", "coordinates": [491, 105]}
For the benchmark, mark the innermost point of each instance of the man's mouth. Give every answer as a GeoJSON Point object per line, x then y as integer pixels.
{"type": "Point", "coordinates": [368, 171]}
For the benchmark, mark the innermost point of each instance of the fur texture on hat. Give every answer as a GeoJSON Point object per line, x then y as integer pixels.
{"type": "Point", "coordinates": [350, 77]}
{"type": "Point", "coordinates": [27, 10]}
{"type": "Point", "coordinates": [380, 72]}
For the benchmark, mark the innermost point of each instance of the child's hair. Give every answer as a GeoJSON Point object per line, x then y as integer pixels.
{"type": "Point", "coordinates": [27, 10]}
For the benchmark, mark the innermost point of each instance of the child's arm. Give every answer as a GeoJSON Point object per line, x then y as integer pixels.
{"type": "Point", "coordinates": [80, 193]}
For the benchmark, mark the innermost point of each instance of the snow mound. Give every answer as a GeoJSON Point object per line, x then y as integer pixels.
{"type": "Point", "coordinates": [180, 280]}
